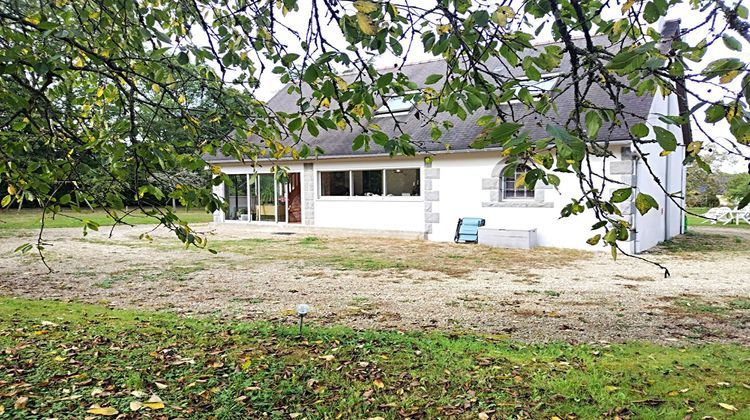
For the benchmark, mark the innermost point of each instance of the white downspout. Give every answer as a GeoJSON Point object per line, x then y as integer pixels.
{"type": "Point", "coordinates": [636, 239]}
{"type": "Point", "coordinates": [666, 179]}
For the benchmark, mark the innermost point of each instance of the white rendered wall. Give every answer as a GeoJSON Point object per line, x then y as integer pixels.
{"type": "Point", "coordinates": [659, 225]}
{"type": "Point", "coordinates": [462, 195]}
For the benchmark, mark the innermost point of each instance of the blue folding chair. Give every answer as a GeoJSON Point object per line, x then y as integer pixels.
{"type": "Point", "coordinates": [467, 229]}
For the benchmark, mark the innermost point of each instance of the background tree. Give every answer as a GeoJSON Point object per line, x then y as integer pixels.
{"type": "Point", "coordinates": [85, 83]}
{"type": "Point", "coordinates": [738, 186]}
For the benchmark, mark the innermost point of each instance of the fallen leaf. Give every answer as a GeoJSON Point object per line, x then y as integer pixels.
{"type": "Point", "coordinates": [729, 407]}
{"type": "Point", "coordinates": [49, 324]}
{"type": "Point", "coordinates": [103, 411]}
{"type": "Point", "coordinates": [375, 418]}
{"type": "Point", "coordinates": [154, 403]}
{"type": "Point", "coordinates": [746, 386]}
{"type": "Point", "coordinates": [610, 388]}
{"type": "Point", "coordinates": [483, 415]}
{"type": "Point", "coordinates": [135, 405]}
{"type": "Point", "coordinates": [21, 403]}
{"type": "Point", "coordinates": [364, 364]}
{"type": "Point", "coordinates": [96, 391]}
{"type": "Point", "coordinates": [328, 357]}
{"type": "Point", "coordinates": [138, 394]}
{"type": "Point", "coordinates": [724, 384]}
{"type": "Point", "coordinates": [160, 385]}
{"type": "Point", "coordinates": [2, 409]}
{"type": "Point", "coordinates": [294, 415]}
{"type": "Point", "coordinates": [378, 383]}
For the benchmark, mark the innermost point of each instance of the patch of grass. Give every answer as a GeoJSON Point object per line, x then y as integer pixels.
{"type": "Point", "coordinates": [110, 280]}
{"type": "Point", "coordinates": [31, 218]}
{"type": "Point", "coordinates": [701, 242]}
{"type": "Point", "coordinates": [742, 304]}
{"type": "Point", "coordinates": [353, 253]}
{"type": "Point", "coordinates": [700, 306]}
{"type": "Point", "coordinates": [310, 240]}
{"type": "Point", "coordinates": [66, 357]}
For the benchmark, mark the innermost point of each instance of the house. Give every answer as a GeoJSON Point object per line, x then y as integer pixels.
{"type": "Point", "coordinates": [371, 190]}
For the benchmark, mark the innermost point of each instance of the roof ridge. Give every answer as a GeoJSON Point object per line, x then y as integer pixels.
{"type": "Point", "coordinates": [432, 60]}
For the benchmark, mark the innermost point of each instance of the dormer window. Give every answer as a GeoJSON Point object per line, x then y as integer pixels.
{"type": "Point", "coordinates": [535, 88]}
{"type": "Point", "coordinates": [396, 105]}
{"type": "Point", "coordinates": [538, 87]}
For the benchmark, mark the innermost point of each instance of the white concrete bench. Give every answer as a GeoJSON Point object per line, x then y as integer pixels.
{"type": "Point", "coordinates": [507, 238]}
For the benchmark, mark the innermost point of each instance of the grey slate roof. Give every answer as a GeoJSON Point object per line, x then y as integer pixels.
{"type": "Point", "coordinates": [338, 143]}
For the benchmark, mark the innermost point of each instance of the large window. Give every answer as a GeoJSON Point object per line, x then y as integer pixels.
{"type": "Point", "coordinates": [334, 183]}
{"type": "Point", "coordinates": [403, 182]}
{"type": "Point", "coordinates": [367, 183]}
{"type": "Point", "coordinates": [509, 188]}
{"type": "Point", "coordinates": [371, 183]}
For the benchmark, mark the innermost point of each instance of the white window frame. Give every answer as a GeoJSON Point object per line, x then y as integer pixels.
{"type": "Point", "coordinates": [519, 170]}
{"type": "Point", "coordinates": [383, 111]}
{"type": "Point", "coordinates": [384, 197]}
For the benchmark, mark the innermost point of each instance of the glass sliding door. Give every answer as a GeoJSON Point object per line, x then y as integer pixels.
{"type": "Point", "coordinates": [266, 191]}
{"type": "Point", "coordinates": [281, 202]}
{"type": "Point", "coordinates": [236, 194]}
{"type": "Point", "coordinates": [260, 198]}
{"type": "Point", "coordinates": [294, 198]}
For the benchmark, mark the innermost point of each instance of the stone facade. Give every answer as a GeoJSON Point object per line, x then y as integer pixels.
{"type": "Point", "coordinates": [492, 186]}
{"type": "Point", "coordinates": [431, 197]}
{"type": "Point", "coordinates": [308, 193]}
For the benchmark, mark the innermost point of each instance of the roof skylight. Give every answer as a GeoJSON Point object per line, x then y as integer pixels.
{"type": "Point", "coordinates": [395, 105]}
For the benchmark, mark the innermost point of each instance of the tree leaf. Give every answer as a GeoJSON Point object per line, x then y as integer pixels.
{"type": "Point", "coordinates": [644, 203]}
{"type": "Point", "coordinates": [593, 124]}
{"type": "Point", "coordinates": [365, 24]}
{"type": "Point", "coordinates": [433, 78]}
{"type": "Point", "coordinates": [103, 411]}
{"type": "Point", "coordinates": [384, 80]}
{"type": "Point", "coordinates": [666, 139]}
{"type": "Point", "coordinates": [365, 6]}
{"type": "Point", "coordinates": [622, 194]}
{"type": "Point", "coordinates": [639, 130]}
{"type": "Point", "coordinates": [729, 407]}
{"type": "Point", "coordinates": [731, 42]}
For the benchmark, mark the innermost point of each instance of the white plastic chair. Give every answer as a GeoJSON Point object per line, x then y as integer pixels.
{"type": "Point", "coordinates": [718, 214]}
{"type": "Point", "coordinates": [741, 215]}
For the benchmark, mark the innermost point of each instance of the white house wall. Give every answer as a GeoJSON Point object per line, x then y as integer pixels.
{"type": "Point", "coordinates": [659, 225]}
{"type": "Point", "coordinates": [469, 186]}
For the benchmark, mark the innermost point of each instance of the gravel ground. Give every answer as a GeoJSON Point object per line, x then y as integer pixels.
{"type": "Point", "coordinates": [537, 296]}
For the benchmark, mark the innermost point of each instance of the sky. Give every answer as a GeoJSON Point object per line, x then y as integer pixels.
{"type": "Point", "coordinates": [270, 84]}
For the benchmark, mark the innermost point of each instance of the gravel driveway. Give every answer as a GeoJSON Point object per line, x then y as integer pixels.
{"type": "Point", "coordinates": [366, 282]}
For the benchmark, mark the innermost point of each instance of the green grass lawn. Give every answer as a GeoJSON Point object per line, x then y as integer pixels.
{"type": "Point", "coordinates": [699, 221]}
{"type": "Point", "coordinates": [31, 218]}
{"type": "Point", "coordinates": [62, 360]}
